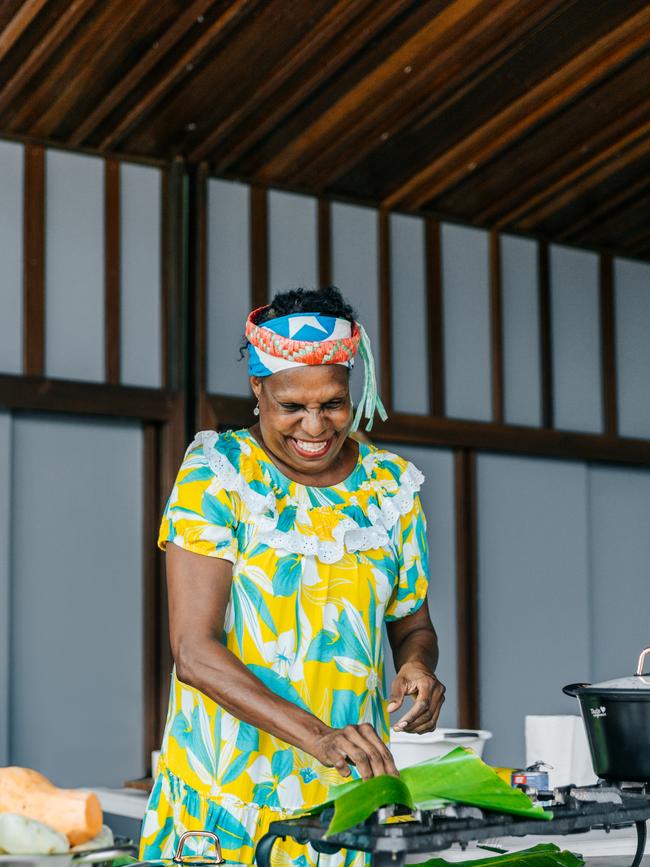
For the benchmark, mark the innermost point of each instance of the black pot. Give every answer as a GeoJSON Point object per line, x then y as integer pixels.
{"type": "Point", "coordinates": [616, 715]}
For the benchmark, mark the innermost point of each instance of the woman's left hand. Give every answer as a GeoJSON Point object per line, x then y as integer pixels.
{"type": "Point", "coordinates": [417, 680]}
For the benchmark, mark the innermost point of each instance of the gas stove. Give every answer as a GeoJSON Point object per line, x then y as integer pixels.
{"type": "Point", "coordinates": [575, 809]}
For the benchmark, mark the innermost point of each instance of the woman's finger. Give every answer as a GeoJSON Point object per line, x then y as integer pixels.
{"type": "Point", "coordinates": [388, 765]}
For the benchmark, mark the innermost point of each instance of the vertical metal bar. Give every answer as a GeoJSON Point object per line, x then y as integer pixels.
{"type": "Point", "coordinates": [496, 328]}
{"type": "Point", "coordinates": [259, 247]}
{"type": "Point", "coordinates": [34, 262]}
{"type": "Point", "coordinates": [546, 339]}
{"type": "Point", "coordinates": [385, 329]}
{"type": "Point", "coordinates": [608, 346]}
{"type": "Point", "coordinates": [434, 317]}
{"type": "Point", "coordinates": [112, 254]}
{"type": "Point", "coordinates": [324, 242]}
{"type": "Point", "coordinates": [467, 589]}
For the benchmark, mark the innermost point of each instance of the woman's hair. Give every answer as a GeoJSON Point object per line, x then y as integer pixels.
{"type": "Point", "coordinates": [328, 301]}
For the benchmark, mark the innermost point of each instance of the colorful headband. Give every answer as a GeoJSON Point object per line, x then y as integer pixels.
{"type": "Point", "coordinates": [301, 339]}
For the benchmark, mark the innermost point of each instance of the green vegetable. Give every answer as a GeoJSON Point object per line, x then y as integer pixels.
{"type": "Point", "coordinates": [543, 855]}
{"type": "Point", "coordinates": [459, 776]}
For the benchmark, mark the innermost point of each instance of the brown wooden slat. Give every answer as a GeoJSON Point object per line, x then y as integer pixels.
{"type": "Point", "coordinates": [461, 434]}
{"type": "Point", "coordinates": [38, 394]}
{"type": "Point", "coordinates": [496, 328]}
{"type": "Point", "coordinates": [43, 50]}
{"type": "Point", "coordinates": [12, 32]}
{"type": "Point", "coordinates": [545, 334]}
{"type": "Point", "coordinates": [385, 329]}
{"type": "Point", "coordinates": [467, 589]}
{"type": "Point", "coordinates": [259, 250]}
{"type": "Point", "coordinates": [608, 346]}
{"type": "Point", "coordinates": [449, 22]}
{"type": "Point", "coordinates": [200, 295]}
{"type": "Point", "coordinates": [429, 89]}
{"type": "Point", "coordinates": [549, 96]}
{"type": "Point", "coordinates": [605, 210]}
{"type": "Point", "coordinates": [112, 254]}
{"type": "Point", "coordinates": [324, 242]}
{"type": "Point", "coordinates": [133, 78]}
{"type": "Point", "coordinates": [629, 148]}
{"type": "Point", "coordinates": [151, 615]}
{"type": "Point", "coordinates": [433, 266]}
{"type": "Point", "coordinates": [172, 279]}
{"type": "Point", "coordinates": [181, 68]}
{"type": "Point", "coordinates": [34, 262]}
{"type": "Point", "coordinates": [338, 19]}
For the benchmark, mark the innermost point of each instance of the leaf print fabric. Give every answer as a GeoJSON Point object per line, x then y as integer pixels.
{"type": "Point", "coordinates": [316, 572]}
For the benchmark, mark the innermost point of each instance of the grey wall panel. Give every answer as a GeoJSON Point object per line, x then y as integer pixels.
{"type": "Point", "coordinates": [466, 321]}
{"type": "Point", "coordinates": [575, 315]}
{"type": "Point", "coordinates": [229, 285]}
{"type": "Point", "coordinates": [76, 612]}
{"type": "Point", "coordinates": [11, 256]}
{"type": "Point", "coordinates": [293, 241]}
{"type": "Point", "coordinates": [438, 502]}
{"type": "Point", "coordinates": [408, 314]}
{"type": "Point", "coordinates": [355, 258]}
{"type": "Point", "coordinates": [74, 266]}
{"type": "Point", "coordinates": [140, 321]}
{"type": "Point", "coordinates": [534, 615]}
{"type": "Point", "coordinates": [619, 505]}
{"type": "Point", "coordinates": [5, 555]}
{"type": "Point", "coordinates": [632, 288]}
{"type": "Point", "coordinates": [521, 350]}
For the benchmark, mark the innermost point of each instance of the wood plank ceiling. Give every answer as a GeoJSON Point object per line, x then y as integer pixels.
{"type": "Point", "coordinates": [528, 115]}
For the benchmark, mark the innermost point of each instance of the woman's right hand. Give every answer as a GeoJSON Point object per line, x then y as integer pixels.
{"type": "Point", "coordinates": [357, 745]}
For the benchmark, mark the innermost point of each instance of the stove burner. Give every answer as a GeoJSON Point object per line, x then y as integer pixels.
{"type": "Point", "coordinates": [575, 810]}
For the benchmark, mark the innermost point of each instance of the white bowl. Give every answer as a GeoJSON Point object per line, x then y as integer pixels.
{"type": "Point", "coordinates": [409, 749]}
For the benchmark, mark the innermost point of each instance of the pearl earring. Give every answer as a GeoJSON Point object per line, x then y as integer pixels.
{"type": "Point", "coordinates": [256, 411]}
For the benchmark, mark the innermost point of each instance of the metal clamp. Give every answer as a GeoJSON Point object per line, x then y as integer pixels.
{"type": "Point", "coordinates": [178, 856]}
{"type": "Point", "coordinates": [640, 666]}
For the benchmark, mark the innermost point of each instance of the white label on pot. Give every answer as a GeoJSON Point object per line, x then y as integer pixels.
{"type": "Point", "coordinates": [598, 712]}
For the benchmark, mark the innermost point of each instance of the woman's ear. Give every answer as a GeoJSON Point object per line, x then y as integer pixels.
{"type": "Point", "coordinates": [256, 386]}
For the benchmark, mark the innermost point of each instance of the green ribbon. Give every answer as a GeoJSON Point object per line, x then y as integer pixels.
{"type": "Point", "coordinates": [370, 401]}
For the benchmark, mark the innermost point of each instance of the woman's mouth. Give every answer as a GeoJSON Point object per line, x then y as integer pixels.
{"type": "Point", "coordinates": [311, 448]}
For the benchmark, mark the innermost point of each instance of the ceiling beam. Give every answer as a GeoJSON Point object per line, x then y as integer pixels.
{"type": "Point", "coordinates": [180, 69]}
{"type": "Point", "coordinates": [485, 46]}
{"type": "Point", "coordinates": [43, 50]}
{"type": "Point", "coordinates": [339, 18]}
{"type": "Point", "coordinates": [535, 105]}
{"type": "Point", "coordinates": [390, 74]}
{"type": "Point", "coordinates": [15, 29]}
{"type": "Point", "coordinates": [189, 18]}
{"type": "Point", "coordinates": [606, 210]}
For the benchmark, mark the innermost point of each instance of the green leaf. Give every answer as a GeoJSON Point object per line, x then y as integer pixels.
{"type": "Point", "coordinates": [543, 855]}
{"type": "Point", "coordinates": [350, 809]}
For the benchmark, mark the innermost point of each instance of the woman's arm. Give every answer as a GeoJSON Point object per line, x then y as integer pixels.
{"type": "Point", "coordinates": [414, 643]}
{"type": "Point", "coordinates": [199, 590]}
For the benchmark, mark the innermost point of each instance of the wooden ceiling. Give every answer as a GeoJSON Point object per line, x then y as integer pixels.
{"type": "Point", "coordinates": [528, 115]}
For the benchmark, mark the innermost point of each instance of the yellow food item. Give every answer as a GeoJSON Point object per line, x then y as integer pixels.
{"type": "Point", "coordinates": [72, 812]}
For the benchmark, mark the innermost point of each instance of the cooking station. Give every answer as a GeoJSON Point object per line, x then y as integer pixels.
{"type": "Point", "coordinates": [575, 810]}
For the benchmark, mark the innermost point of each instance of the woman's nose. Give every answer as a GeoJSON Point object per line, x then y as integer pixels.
{"type": "Point", "coordinates": [312, 423]}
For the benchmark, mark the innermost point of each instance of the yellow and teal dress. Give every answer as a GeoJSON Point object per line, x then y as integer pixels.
{"type": "Point", "coordinates": [316, 572]}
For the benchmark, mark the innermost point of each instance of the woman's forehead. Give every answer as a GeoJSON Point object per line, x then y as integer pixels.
{"type": "Point", "coordinates": [299, 384]}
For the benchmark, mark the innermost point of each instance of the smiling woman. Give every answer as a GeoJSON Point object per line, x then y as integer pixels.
{"type": "Point", "coordinates": [307, 542]}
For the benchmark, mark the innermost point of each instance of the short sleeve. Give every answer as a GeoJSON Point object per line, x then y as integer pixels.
{"type": "Point", "coordinates": [410, 540]}
{"type": "Point", "coordinates": [200, 515]}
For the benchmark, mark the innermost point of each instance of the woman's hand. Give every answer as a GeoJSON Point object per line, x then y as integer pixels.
{"type": "Point", "coordinates": [417, 680]}
{"type": "Point", "coordinates": [357, 745]}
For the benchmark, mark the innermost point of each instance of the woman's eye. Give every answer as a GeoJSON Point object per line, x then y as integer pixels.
{"type": "Point", "coordinates": [333, 404]}
{"type": "Point", "coordinates": [290, 407]}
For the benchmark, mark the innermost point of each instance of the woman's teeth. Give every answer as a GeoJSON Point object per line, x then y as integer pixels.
{"type": "Point", "coordinates": [312, 448]}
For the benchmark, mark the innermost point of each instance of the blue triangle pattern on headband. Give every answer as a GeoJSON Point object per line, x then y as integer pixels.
{"type": "Point", "coordinates": [303, 326]}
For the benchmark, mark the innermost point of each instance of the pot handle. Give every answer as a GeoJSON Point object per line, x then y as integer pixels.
{"type": "Point", "coordinates": [572, 689]}
{"type": "Point", "coordinates": [178, 856]}
{"type": "Point", "coordinates": [640, 666]}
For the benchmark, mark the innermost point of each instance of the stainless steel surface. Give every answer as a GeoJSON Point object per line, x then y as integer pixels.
{"type": "Point", "coordinates": [178, 856]}
{"type": "Point", "coordinates": [644, 653]}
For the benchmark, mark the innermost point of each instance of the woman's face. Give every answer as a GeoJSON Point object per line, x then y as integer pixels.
{"type": "Point", "coordinates": [305, 414]}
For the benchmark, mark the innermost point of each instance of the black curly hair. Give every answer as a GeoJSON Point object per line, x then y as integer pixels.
{"type": "Point", "coordinates": [328, 301]}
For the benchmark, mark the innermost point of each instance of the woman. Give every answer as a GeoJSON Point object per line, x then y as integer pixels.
{"type": "Point", "coordinates": [292, 544]}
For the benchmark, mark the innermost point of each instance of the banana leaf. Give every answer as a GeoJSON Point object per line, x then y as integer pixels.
{"type": "Point", "coordinates": [543, 855]}
{"type": "Point", "coordinates": [460, 776]}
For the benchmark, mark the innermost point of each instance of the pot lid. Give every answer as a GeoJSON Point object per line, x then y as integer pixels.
{"type": "Point", "coordinates": [638, 682]}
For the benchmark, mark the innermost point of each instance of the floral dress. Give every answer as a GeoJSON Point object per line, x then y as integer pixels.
{"type": "Point", "coordinates": [316, 572]}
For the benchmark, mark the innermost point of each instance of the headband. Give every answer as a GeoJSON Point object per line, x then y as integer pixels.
{"type": "Point", "coordinates": [302, 339]}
